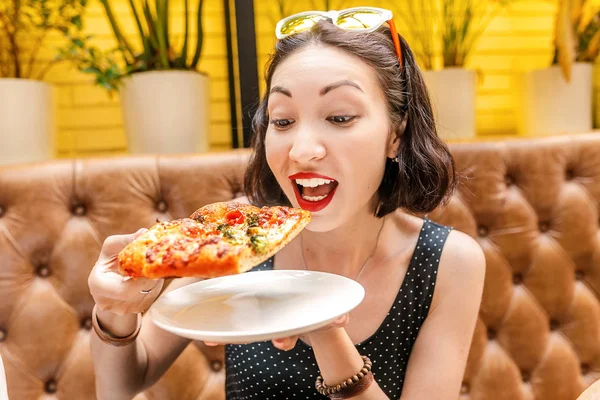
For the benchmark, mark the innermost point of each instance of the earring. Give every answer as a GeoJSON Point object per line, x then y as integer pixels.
{"type": "Point", "coordinates": [394, 160]}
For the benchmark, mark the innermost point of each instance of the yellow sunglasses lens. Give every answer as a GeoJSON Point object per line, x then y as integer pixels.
{"type": "Point", "coordinates": [359, 20]}
{"type": "Point", "coordinates": [300, 24]}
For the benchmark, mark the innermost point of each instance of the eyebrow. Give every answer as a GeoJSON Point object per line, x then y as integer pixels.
{"type": "Point", "coordinates": [323, 92]}
{"type": "Point", "coordinates": [336, 85]}
{"type": "Point", "coordinates": [280, 89]}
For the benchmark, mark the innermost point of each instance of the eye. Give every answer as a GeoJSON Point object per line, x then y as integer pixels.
{"type": "Point", "coordinates": [281, 123]}
{"type": "Point", "coordinates": [341, 119]}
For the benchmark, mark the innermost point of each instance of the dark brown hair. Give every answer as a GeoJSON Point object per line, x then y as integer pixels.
{"type": "Point", "coordinates": [424, 176]}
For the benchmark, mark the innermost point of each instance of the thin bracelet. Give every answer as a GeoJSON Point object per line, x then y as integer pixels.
{"type": "Point", "coordinates": [351, 386]}
{"type": "Point", "coordinates": [114, 340]}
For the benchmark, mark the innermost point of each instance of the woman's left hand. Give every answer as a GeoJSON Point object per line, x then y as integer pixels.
{"type": "Point", "coordinates": [288, 343]}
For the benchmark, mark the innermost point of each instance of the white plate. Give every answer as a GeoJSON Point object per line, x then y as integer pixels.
{"type": "Point", "coordinates": [256, 306]}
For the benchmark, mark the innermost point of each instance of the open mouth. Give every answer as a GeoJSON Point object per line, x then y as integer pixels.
{"type": "Point", "coordinates": [315, 189]}
{"type": "Point", "coordinates": [313, 192]}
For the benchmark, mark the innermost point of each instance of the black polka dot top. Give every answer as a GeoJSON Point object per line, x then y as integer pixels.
{"type": "Point", "coordinates": [261, 371]}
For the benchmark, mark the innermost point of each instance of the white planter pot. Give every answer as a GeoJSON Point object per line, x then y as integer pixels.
{"type": "Point", "coordinates": [27, 121]}
{"type": "Point", "coordinates": [452, 92]}
{"type": "Point", "coordinates": [166, 112]}
{"type": "Point", "coordinates": [549, 105]}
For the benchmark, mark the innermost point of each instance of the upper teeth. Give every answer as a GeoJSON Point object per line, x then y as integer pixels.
{"type": "Point", "coordinates": [313, 182]}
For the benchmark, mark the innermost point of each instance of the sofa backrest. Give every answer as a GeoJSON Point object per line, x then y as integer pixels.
{"type": "Point", "coordinates": [533, 205]}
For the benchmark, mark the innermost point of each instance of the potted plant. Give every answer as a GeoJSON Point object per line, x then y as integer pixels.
{"type": "Point", "coordinates": [27, 105]}
{"type": "Point", "coordinates": [558, 99]}
{"type": "Point", "coordinates": [164, 98]}
{"type": "Point", "coordinates": [443, 33]}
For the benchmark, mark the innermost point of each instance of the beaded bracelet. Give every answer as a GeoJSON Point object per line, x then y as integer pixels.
{"type": "Point", "coordinates": [351, 386]}
{"type": "Point", "coordinates": [113, 340]}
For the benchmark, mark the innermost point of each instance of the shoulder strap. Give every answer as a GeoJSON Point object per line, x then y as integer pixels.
{"type": "Point", "coordinates": [265, 266]}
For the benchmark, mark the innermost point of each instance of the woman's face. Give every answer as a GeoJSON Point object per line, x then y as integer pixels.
{"type": "Point", "coordinates": [328, 135]}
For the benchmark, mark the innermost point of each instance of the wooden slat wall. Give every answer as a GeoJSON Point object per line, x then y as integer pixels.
{"type": "Point", "coordinates": [90, 122]}
{"type": "Point", "coordinates": [518, 39]}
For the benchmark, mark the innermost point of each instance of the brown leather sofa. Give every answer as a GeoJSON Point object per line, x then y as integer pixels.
{"type": "Point", "coordinates": [533, 205]}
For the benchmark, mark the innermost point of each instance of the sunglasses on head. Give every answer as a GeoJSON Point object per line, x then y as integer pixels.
{"type": "Point", "coordinates": [361, 19]}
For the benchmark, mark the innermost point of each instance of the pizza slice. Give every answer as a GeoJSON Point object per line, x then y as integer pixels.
{"type": "Point", "coordinates": [218, 239]}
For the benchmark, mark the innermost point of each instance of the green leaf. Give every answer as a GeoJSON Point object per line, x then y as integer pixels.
{"type": "Point", "coordinates": [76, 20]}
{"type": "Point", "coordinates": [92, 70]}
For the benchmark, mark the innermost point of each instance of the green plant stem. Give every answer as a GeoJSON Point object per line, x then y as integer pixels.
{"type": "Point", "coordinates": [199, 37]}
{"type": "Point", "coordinates": [128, 52]}
{"type": "Point", "coordinates": [422, 39]}
{"type": "Point", "coordinates": [167, 30]}
{"type": "Point", "coordinates": [145, 44]}
{"type": "Point", "coordinates": [44, 71]}
{"type": "Point", "coordinates": [151, 22]}
{"type": "Point", "coordinates": [15, 54]}
{"type": "Point", "coordinates": [184, 48]}
{"type": "Point", "coordinates": [34, 52]}
{"type": "Point", "coordinates": [487, 19]}
{"type": "Point", "coordinates": [13, 45]}
{"type": "Point", "coordinates": [585, 38]}
{"type": "Point", "coordinates": [4, 69]}
{"type": "Point", "coordinates": [160, 32]}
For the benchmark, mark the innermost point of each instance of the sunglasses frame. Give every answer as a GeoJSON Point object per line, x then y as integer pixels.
{"type": "Point", "coordinates": [386, 16]}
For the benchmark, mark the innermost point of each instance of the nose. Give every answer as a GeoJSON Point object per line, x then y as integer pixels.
{"type": "Point", "coordinates": [306, 145]}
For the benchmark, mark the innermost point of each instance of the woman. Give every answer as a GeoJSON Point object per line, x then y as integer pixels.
{"type": "Point", "coordinates": [346, 131]}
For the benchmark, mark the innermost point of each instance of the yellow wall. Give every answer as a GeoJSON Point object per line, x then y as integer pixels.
{"type": "Point", "coordinates": [519, 38]}
{"type": "Point", "coordinates": [90, 123]}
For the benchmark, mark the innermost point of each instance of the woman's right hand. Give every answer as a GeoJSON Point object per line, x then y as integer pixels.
{"type": "Point", "coordinates": [120, 298]}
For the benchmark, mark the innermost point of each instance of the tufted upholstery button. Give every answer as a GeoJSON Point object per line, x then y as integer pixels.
{"type": "Point", "coordinates": [464, 388]}
{"type": "Point", "coordinates": [482, 231]}
{"type": "Point", "coordinates": [2, 211]}
{"type": "Point", "coordinates": [161, 206]}
{"type": "Point", "coordinates": [78, 209]}
{"type": "Point", "coordinates": [491, 334]}
{"type": "Point", "coordinates": [554, 325]}
{"type": "Point", "coordinates": [569, 174]}
{"type": "Point", "coordinates": [43, 271]}
{"type": "Point", "coordinates": [526, 376]}
{"type": "Point", "coordinates": [50, 386]}
{"type": "Point", "coordinates": [579, 275]}
{"type": "Point", "coordinates": [216, 366]}
{"type": "Point", "coordinates": [509, 180]}
{"type": "Point", "coordinates": [86, 323]}
{"type": "Point", "coordinates": [517, 278]}
{"type": "Point", "coordinates": [2, 335]}
{"type": "Point", "coordinates": [544, 226]}
{"type": "Point", "coordinates": [585, 368]}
